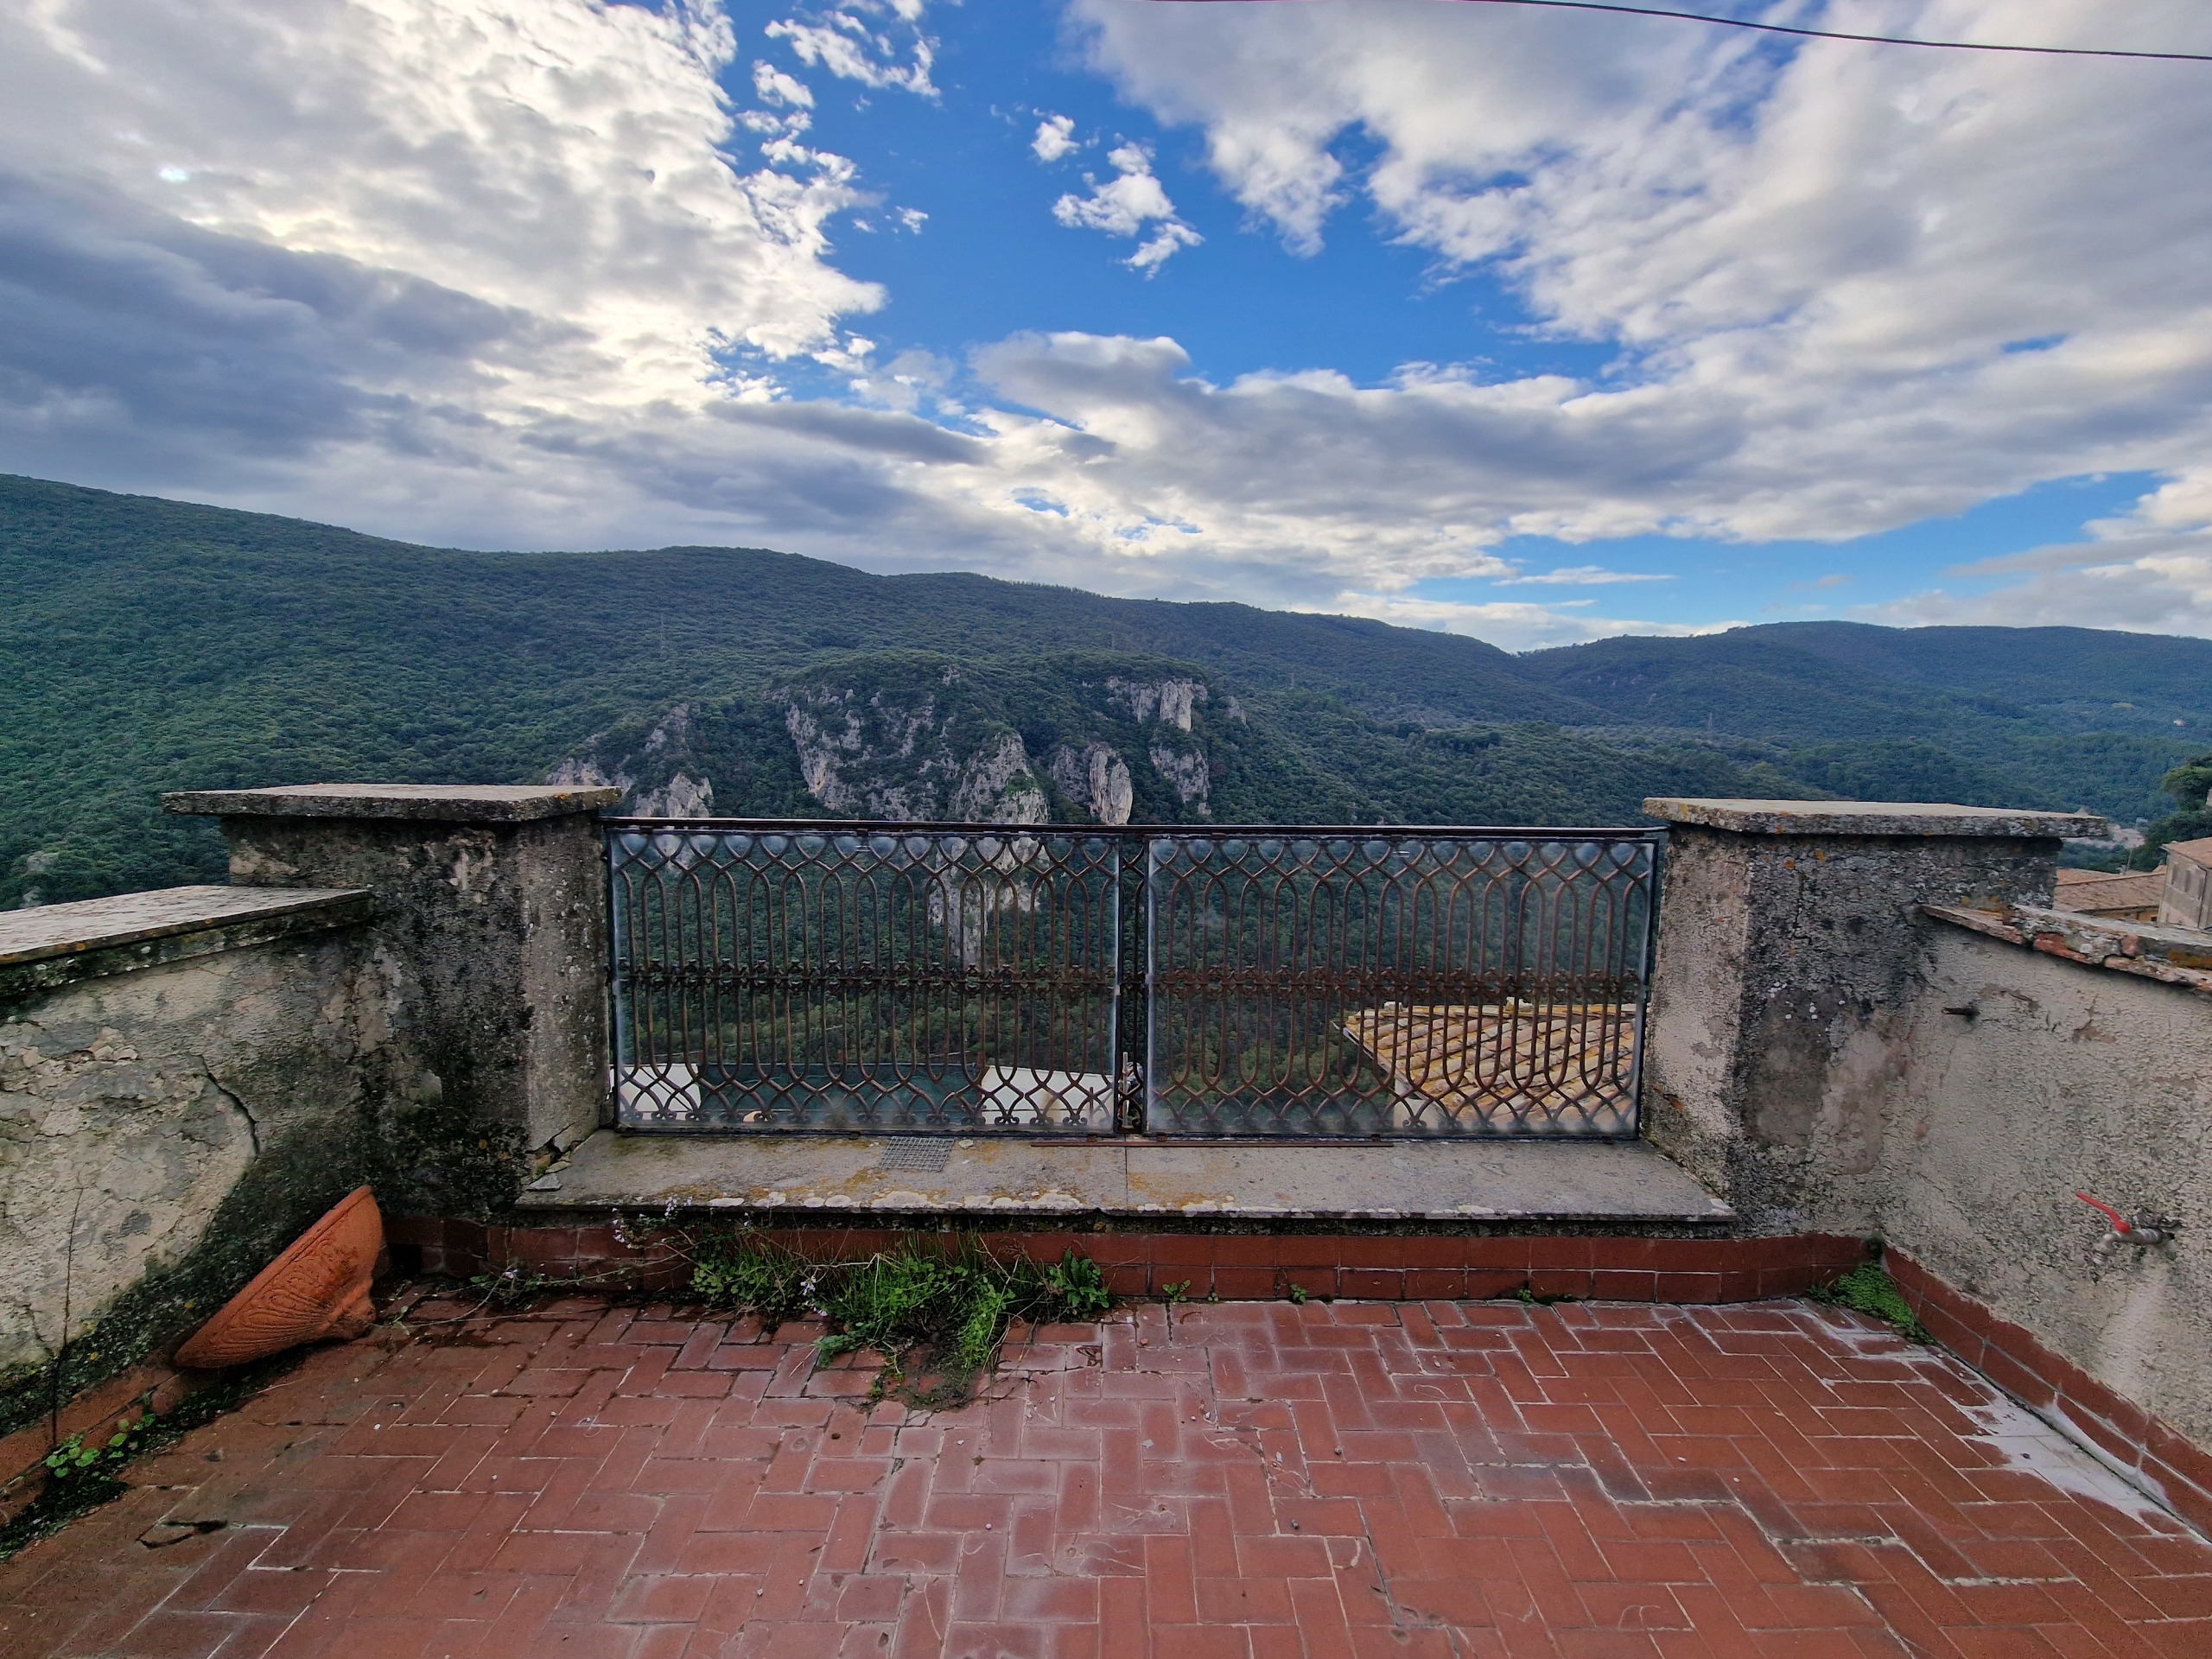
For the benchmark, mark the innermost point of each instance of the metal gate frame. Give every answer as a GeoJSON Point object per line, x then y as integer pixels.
{"type": "Point", "coordinates": [1400, 1041]}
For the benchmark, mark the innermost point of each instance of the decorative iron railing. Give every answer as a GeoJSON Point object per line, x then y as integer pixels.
{"type": "Point", "coordinates": [860, 978]}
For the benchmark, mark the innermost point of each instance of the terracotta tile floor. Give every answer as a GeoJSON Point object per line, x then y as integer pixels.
{"type": "Point", "coordinates": [1252, 1481]}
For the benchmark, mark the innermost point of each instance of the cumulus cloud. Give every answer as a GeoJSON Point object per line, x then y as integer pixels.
{"type": "Point", "coordinates": [840, 39]}
{"type": "Point", "coordinates": [1125, 205]}
{"type": "Point", "coordinates": [1854, 286]}
{"type": "Point", "coordinates": [771, 85]}
{"type": "Point", "coordinates": [515, 272]}
{"type": "Point", "coordinates": [1055, 137]}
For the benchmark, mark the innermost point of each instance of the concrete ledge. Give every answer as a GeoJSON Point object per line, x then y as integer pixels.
{"type": "Point", "coordinates": [1463, 1181]}
{"type": "Point", "coordinates": [2172, 956]}
{"type": "Point", "coordinates": [1872, 818]}
{"type": "Point", "coordinates": [425, 802]}
{"type": "Point", "coordinates": [54, 945]}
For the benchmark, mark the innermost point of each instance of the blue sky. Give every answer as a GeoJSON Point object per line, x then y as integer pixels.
{"type": "Point", "coordinates": [990, 261]}
{"type": "Point", "coordinates": [1535, 326]}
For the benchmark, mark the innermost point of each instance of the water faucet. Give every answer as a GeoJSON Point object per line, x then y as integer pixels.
{"type": "Point", "coordinates": [2142, 1232]}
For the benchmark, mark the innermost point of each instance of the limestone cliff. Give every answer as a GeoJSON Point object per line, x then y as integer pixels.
{"type": "Point", "coordinates": [1095, 778]}
{"type": "Point", "coordinates": [910, 751]}
{"type": "Point", "coordinates": [1090, 738]}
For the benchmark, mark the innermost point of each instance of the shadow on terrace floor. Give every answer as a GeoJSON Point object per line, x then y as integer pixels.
{"type": "Point", "coordinates": [1243, 1480]}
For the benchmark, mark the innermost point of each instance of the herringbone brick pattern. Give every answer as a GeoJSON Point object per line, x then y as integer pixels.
{"type": "Point", "coordinates": [1248, 1481]}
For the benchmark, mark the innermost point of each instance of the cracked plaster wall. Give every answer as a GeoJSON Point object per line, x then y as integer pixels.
{"type": "Point", "coordinates": [162, 1132]}
{"type": "Point", "coordinates": [2066, 1078]}
{"type": "Point", "coordinates": [1789, 968]}
{"type": "Point", "coordinates": [485, 985]}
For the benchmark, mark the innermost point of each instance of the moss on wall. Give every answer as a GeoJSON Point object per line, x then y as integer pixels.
{"type": "Point", "coordinates": [282, 1193]}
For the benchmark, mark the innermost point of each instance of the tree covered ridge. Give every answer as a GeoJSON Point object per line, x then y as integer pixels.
{"type": "Point", "coordinates": [153, 645]}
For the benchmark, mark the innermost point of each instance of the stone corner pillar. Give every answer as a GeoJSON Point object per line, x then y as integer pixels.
{"type": "Point", "coordinates": [1791, 943]}
{"type": "Point", "coordinates": [484, 1027]}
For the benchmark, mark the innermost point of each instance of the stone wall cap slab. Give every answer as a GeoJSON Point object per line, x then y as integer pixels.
{"type": "Point", "coordinates": [2178, 956]}
{"type": "Point", "coordinates": [426, 803]}
{"type": "Point", "coordinates": [50, 930]}
{"type": "Point", "coordinates": [1873, 818]}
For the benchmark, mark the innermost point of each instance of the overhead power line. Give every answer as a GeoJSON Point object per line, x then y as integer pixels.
{"type": "Point", "coordinates": [1837, 33]}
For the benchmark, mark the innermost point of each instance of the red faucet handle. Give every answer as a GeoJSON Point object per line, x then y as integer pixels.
{"type": "Point", "coordinates": [2119, 1223]}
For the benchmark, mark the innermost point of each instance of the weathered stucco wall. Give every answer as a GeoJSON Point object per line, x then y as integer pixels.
{"type": "Point", "coordinates": [2065, 1077]}
{"type": "Point", "coordinates": [180, 1096]}
{"type": "Point", "coordinates": [485, 988]}
{"type": "Point", "coordinates": [405, 986]}
{"type": "Point", "coordinates": [1789, 961]}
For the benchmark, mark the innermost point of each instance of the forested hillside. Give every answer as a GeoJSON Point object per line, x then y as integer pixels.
{"type": "Point", "coordinates": [150, 644]}
{"type": "Point", "coordinates": [2061, 716]}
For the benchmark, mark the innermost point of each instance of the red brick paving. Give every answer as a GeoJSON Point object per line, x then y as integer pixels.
{"type": "Point", "coordinates": [1248, 1481]}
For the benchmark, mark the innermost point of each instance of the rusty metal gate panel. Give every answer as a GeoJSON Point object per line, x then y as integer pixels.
{"type": "Point", "coordinates": [858, 979]}
{"type": "Point", "coordinates": [1397, 982]}
{"type": "Point", "coordinates": [865, 978]}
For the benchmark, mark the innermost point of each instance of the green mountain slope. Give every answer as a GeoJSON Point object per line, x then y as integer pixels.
{"type": "Point", "coordinates": [2028, 717]}
{"type": "Point", "coordinates": [146, 644]}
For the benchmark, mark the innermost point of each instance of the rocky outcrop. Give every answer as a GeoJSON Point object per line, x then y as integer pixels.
{"type": "Point", "coordinates": [910, 737]}
{"type": "Point", "coordinates": [681, 797]}
{"type": "Point", "coordinates": [1096, 778]}
{"type": "Point", "coordinates": [653, 770]}
{"type": "Point", "coordinates": [1169, 700]}
{"type": "Point", "coordinates": [1188, 772]}
{"type": "Point", "coordinates": [910, 753]}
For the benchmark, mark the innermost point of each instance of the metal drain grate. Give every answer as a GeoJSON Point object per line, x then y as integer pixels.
{"type": "Point", "coordinates": [916, 1152]}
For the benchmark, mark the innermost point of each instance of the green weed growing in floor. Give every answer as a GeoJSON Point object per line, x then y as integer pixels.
{"type": "Point", "coordinates": [516, 1285]}
{"type": "Point", "coordinates": [931, 1310]}
{"type": "Point", "coordinates": [1528, 1293]}
{"type": "Point", "coordinates": [1868, 1290]}
{"type": "Point", "coordinates": [81, 1475]}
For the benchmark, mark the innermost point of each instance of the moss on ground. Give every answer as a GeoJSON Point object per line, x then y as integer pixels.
{"type": "Point", "coordinates": [1870, 1291]}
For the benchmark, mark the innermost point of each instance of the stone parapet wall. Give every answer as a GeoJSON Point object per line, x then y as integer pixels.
{"type": "Point", "coordinates": [403, 986]}
{"type": "Point", "coordinates": [1790, 960]}
{"type": "Point", "coordinates": [180, 1093]}
{"type": "Point", "coordinates": [490, 954]}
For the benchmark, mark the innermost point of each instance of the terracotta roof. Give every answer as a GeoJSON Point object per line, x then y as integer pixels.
{"type": "Point", "coordinates": [2196, 852]}
{"type": "Point", "coordinates": [2095, 890]}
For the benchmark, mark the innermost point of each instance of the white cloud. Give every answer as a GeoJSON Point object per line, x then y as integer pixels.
{"type": "Point", "coordinates": [1125, 204]}
{"type": "Point", "coordinates": [1816, 262]}
{"type": "Point", "coordinates": [837, 38]}
{"type": "Point", "coordinates": [1581, 575]}
{"type": "Point", "coordinates": [556, 158]}
{"type": "Point", "coordinates": [496, 273]}
{"type": "Point", "coordinates": [2149, 569]}
{"type": "Point", "coordinates": [771, 85]}
{"type": "Point", "coordinates": [1514, 625]}
{"type": "Point", "coordinates": [1055, 137]}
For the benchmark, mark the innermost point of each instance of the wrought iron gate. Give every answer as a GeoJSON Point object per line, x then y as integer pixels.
{"type": "Point", "coordinates": [860, 978]}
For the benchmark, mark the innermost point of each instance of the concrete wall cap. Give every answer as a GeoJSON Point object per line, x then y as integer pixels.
{"type": "Point", "coordinates": [426, 803]}
{"type": "Point", "coordinates": [1873, 818]}
{"type": "Point", "coordinates": [49, 931]}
